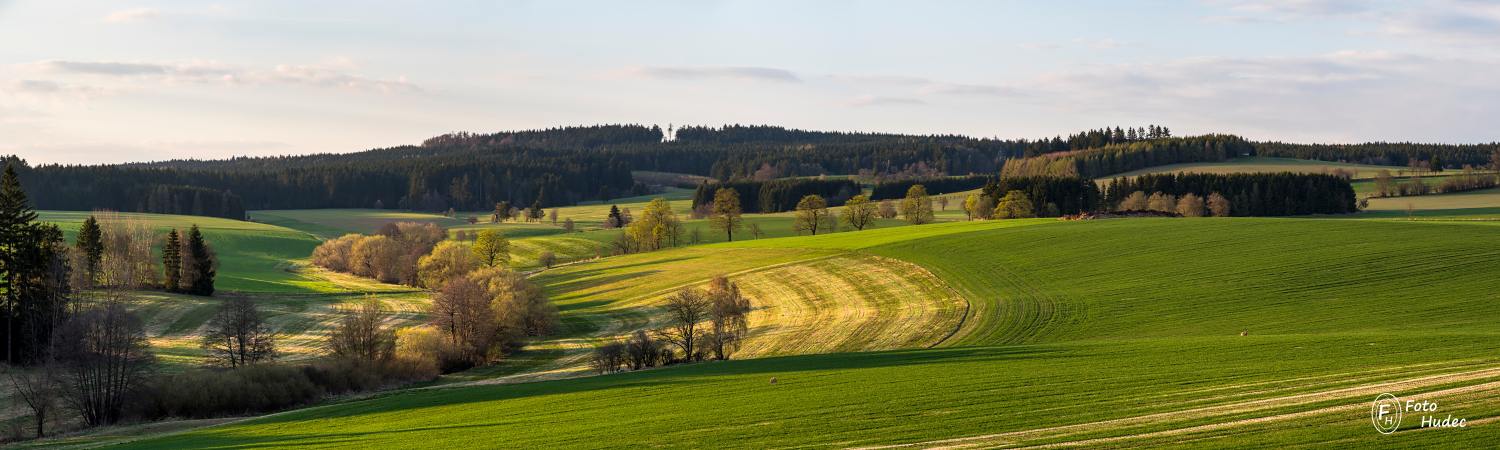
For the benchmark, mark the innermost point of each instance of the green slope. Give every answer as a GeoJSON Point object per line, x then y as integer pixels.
{"type": "Point", "coordinates": [253, 257]}
{"type": "Point", "coordinates": [1133, 322]}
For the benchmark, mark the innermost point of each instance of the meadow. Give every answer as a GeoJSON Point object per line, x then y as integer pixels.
{"type": "Point", "coordinates": [253, 257]}
{"type": "Point", "coordinates": [265, 262]}
{"type": "Point", "coordinates": [1191, 332]}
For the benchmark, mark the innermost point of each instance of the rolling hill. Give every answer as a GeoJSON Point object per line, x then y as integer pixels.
{"type": "Point", "coordinates": [1194, 332]}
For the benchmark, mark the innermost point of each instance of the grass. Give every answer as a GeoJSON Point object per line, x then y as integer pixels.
{"type": "Point", "coordinates": [253, 257]}
{"type": "Point", "coordinates": [1112, 329]}
{"type": "Point", "coordinates": [1263, 164]}
{"type": "Point", "coordinates": [332, 223]}
{"type": "Point", "coordinates": [1480, 204]}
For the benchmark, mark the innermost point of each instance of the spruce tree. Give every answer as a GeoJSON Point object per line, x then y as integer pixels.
{"type": "Point", "coordinates": [15, 210]}
{"type": "Point", "coordinates": [15, 226]}
{"type": "Point", "coordinates": [171, 261]}
{"type": "Point", "coordinates": [201, 269]}
{"type": "Point", "coordinates": [91, 245]}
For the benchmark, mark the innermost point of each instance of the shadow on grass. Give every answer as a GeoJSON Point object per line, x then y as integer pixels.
{"type": "Point", "coordinates": [681, 375]}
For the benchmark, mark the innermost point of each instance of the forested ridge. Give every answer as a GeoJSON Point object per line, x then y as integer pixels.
{"type": "Point", "coordinates": [563, 166]}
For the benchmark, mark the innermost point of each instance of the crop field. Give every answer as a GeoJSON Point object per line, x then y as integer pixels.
{"type": "Point", "coordinates": [1265, 164]}
{"type": "Point", "coordinates": [1478, 205]}
{"type": "Point", "coordinates": [1098, 333]}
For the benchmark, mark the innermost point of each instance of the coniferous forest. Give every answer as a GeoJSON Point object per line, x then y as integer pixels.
{"type": "Point", "coordinates": [564, 166]}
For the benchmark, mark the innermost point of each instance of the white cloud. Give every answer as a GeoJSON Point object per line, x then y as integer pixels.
{"type": "Point", "coordinates": [1454, 21]}
{"type": "Point", "coordinates": [876, 100]}
{"type": "Point", "coordinates": [132, 15]}
{"type": "Point", "coordinates": [699, 73]}
{"type": "Point", "coordinates": [332, 75]}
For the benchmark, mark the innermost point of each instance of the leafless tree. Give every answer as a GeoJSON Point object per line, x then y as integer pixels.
{"type": "Point", "coordinates": [727, 317]}
{"type": "Point", "coordinates": [1218, 205]}
{"type": "Point", "coordinates": [608, 357]}
{"type": "Point", "coordinates": [461, 310]}
{"type": "Point", "coordinates": [641, 351]}
{"type": "Point", "coordinates": [37, 390]}
{"type": "Point", "coordinates": [361, 335]}
{"type": "Point", "coordinates": [686, 310]}
{"type": "Point", "coordinates": [238, 335]}
{"type": "Point", "coordinates": [101, 358]}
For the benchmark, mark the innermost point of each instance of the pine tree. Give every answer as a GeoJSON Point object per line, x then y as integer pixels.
{"type": "Point", "coordinates": [15, 223]}
{"type": "Point", "coordinates": [171, 261]}
{"type": "Point", "coordinates": [201, 264]}
{"type": "Point", "coordinates": [91, 245]}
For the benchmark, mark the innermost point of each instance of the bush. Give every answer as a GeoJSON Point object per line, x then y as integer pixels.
{"type": "Point", "coordinates": [263, 388]}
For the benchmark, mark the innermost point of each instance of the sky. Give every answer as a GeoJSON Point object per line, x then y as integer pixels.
{"type": "Point", "coordinates": [91, 82]}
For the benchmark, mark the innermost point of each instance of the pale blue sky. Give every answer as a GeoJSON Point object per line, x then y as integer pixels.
{"type": "Point", "coordinates": [114, 81]}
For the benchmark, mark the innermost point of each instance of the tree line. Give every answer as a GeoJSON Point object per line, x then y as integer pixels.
{"type": "Point", "coordinates": [1250, 194]}
{"type": "Point", "coordinates": [777, 195]}
{"type": "Point", "coordinates": [1049, 196]}
{"type": "Point", "coordinates": [1118, 158]}
{"type": "Point", "coordinates": [942, 185]}
{"type": "Point", "coordinates": [1389, 153]}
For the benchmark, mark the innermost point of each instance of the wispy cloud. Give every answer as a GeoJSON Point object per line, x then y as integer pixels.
{"type": "Point", "coordinates": [327, 76]}
{"type": "Point", "coordinates": [1287, 10]}
{"type": "Point", "coordinates": [700, 73]}
{"type": "Point", "coordinates": [1455, 21]}
{"type": "Point", "coordinates": [132, 15]}
{"type": "Point", "coordinates": [876, 100]}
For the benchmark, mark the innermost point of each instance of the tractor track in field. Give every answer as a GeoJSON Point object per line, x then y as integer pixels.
{"type": "Point", "coordinates": [874, 312]}
{"type": "Point", "coordinates": [1485, 379]}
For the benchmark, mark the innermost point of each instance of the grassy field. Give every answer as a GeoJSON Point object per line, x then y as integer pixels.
{"type": "Point", "coordinates": [253, 257]}
{"type": "Point", "coordinates": [1100, 333]}
{"type": "Point", "coordinates": [266, 263]}
{"type": "Point", "coordinates": [332, 223]}
{"type": "Point", "coordinates": [1481, 204]}
{"type": "Point", "coordinates": [1264, 164]}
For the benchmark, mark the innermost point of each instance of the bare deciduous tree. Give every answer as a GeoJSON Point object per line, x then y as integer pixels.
{"type": "Point", "coordinates": [37, 390]}
{"type": "Point", "coordinates": [1218, 205]}
{"type": "Point", "coordinates": [1190, 205]}
{"type": "Point", "coordinates": [361, 336]}
{"type": "Point", "coordinates": [101, 357]}
{"type": "Point", "coordinates": [726, 317]}
{"type": "Point", "coordinates": [461, 310]}
{"type": "Point", "coordinates": [641, 351]}
{"type": "Point", "coordinates": [686, 310]}
{"type": "Point", "coordinates": [1136, 201]}
{"type": "Point", "coordinates": [238, 335]}
{"type": "Point", "coordinates": [608, 357]}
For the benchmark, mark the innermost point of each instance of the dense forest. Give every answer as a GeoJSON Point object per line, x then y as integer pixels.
{"type": "Point", "coordinates": [1050, 196]}
{"type": "Point", "coordinates": [945, 185]}
{"type": "Point", "coordinates": [563, 166]}
{"type": "Point", "coordinates": [1249, 194]}
{"type": "Point", "coordinates": [778, 195]}
{"type": "Point", "coordinates": [1387, 154]}
{"type": "Point", "coordinates": [1116, 158]}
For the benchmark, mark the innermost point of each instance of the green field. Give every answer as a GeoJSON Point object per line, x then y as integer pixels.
{"type": "Point", "coordinates": [332, 223]}
{"type": "Point", "coordinates": [261, 261]}
{"type": "Point", "coordinates": [1472, 205]}
{"type": "Point", "coordinates": [1114, 332]}
{"type": "Point", "coordinates": [253, 257]}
